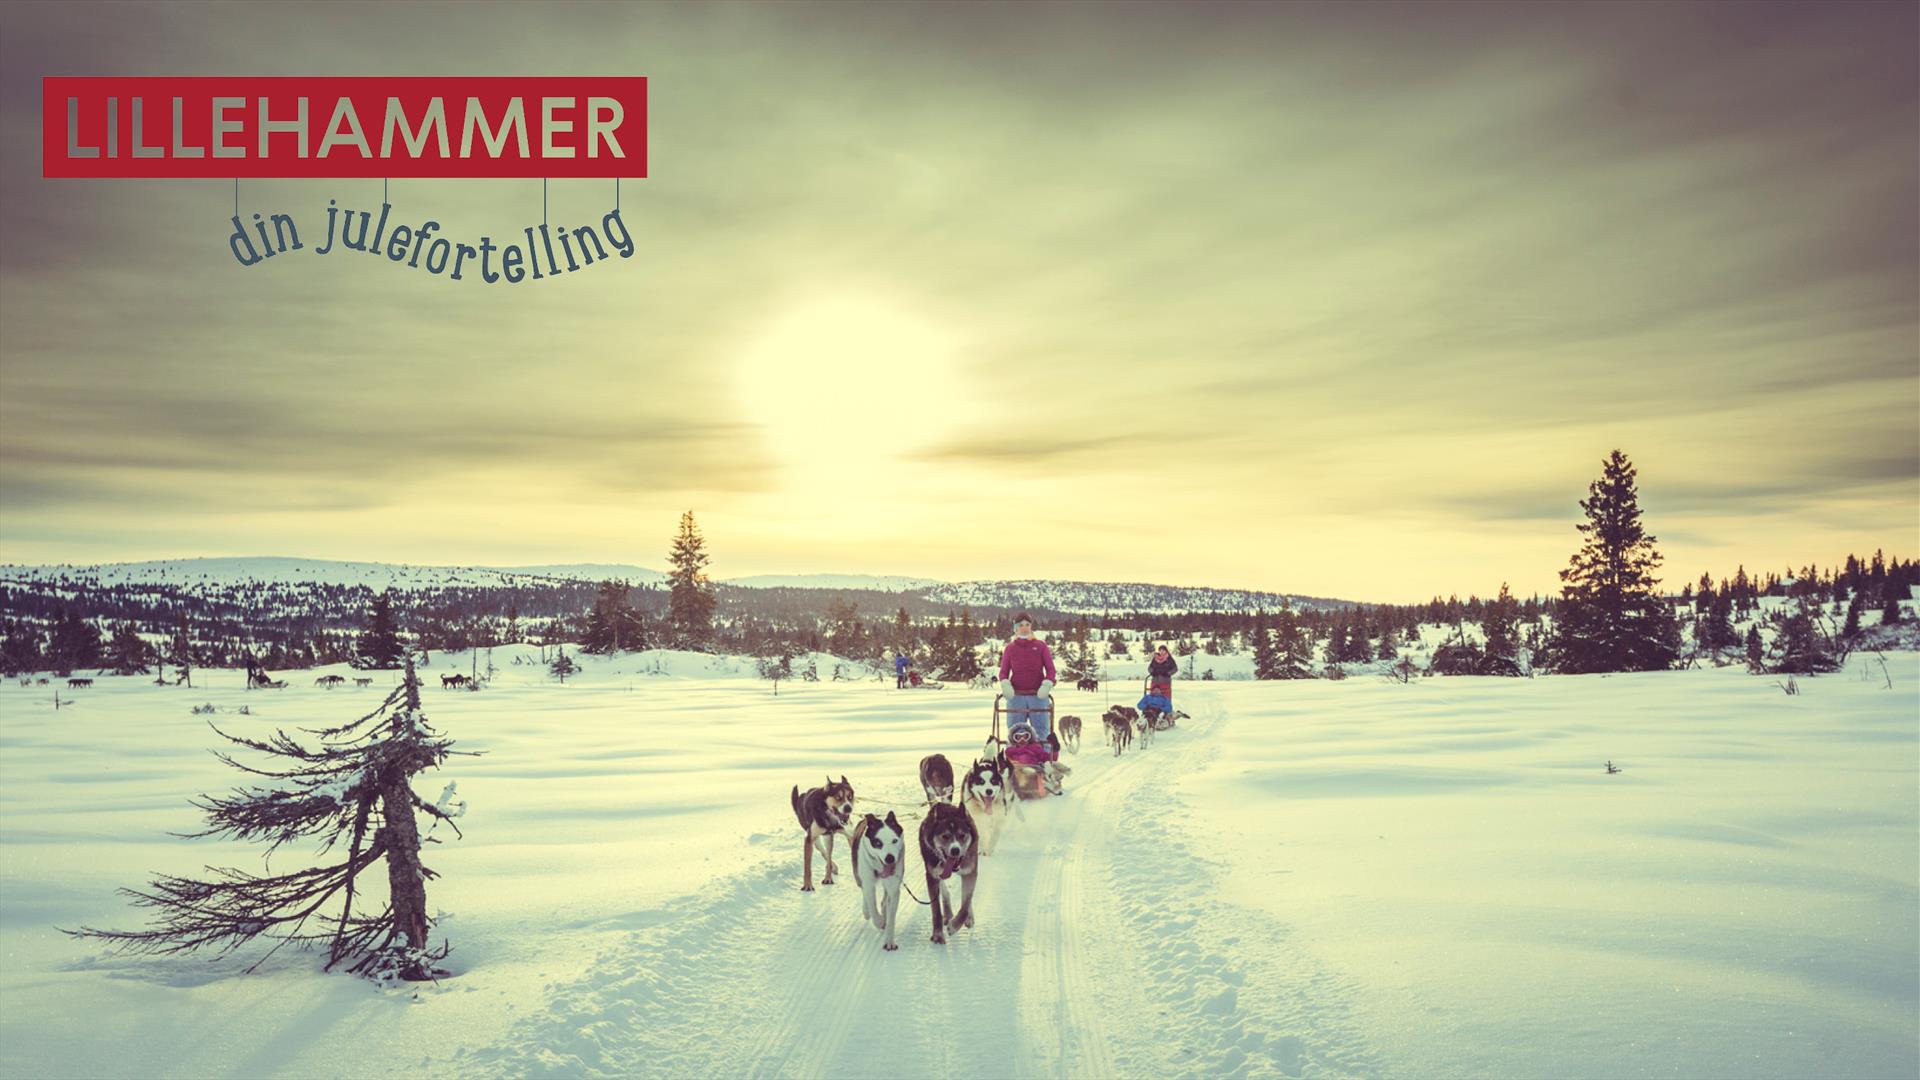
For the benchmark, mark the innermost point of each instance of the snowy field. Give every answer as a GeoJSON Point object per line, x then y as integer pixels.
{"type": "Point", "coordinates": [1349, 878]}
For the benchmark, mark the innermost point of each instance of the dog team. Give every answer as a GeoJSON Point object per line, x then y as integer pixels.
{"type": "Point", "coordinates": [963, 823]}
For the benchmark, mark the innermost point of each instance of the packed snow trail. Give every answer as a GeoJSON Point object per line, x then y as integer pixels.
{"type": "Point", "coordinates": [1097, 952]}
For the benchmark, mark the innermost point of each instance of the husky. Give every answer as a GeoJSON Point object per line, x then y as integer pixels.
{"type": "Point", "coordinates": [1144, 726]}
{"type": "Point", "coordinates": [823, 812]}
{"type": "Point", "coordinates": [1119, 730]}
{"type": "Point", "coordinates": [879, 856]}
{"type": "Point", "coordinates": [1088, 684]}
{"type": "Point", "coordinates": [1069, 731]}
{"type": "Point", "coordinates": [987, 794]}
{"type": "Point", "coordinates": [936, 778]}
{"type": "Point", "coordinates": [948, 846]}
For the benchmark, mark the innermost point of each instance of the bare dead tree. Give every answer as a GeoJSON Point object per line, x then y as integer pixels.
{"type": "Point", "coordinates": [352, 784]}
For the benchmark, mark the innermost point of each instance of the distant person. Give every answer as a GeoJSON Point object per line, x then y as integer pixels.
{"type": "Point", "coordinates": [1160, 672]}
{"type": "Point", "coordinates": [900, 666]}
{"type": "Point", "coordinates": [1026, 679]}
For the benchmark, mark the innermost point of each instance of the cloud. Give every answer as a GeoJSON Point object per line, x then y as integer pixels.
{"type": "Point", "coordinates": [1404, 263]}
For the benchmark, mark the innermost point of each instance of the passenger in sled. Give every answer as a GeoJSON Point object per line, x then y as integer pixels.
{"type": "Point", "coordinates": [1158, 701]}
{"type": "Point", "coordinates": [1026, 682]}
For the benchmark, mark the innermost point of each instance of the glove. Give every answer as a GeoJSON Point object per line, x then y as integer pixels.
{"type": "Point", "coordinates": [1006, 689]}
{"type": "Point", "coordinates": [1046, 690]}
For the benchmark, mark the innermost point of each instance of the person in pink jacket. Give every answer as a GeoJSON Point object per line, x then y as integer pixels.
{"type": "Point", "coordinates": [1026, 679]}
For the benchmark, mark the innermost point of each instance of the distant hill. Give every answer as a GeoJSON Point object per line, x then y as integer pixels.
{"type": "Point", "coordinates": [1074, 597]}
{"type": "Point", "coordinates": [1096, 597]}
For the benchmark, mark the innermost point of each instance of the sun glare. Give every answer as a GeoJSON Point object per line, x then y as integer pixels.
{"type": "Point", "coordinates": [841, 387]}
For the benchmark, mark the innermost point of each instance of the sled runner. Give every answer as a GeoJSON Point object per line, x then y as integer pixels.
{"type": "Point", "coordinates": [1034, 773]}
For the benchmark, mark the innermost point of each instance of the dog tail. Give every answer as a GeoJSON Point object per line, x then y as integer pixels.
{"type": "Point", "coordinates": [797, 811]}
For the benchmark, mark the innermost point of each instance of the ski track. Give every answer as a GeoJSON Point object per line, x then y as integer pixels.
{"type": "Point", "coordinates": [1085, 960]}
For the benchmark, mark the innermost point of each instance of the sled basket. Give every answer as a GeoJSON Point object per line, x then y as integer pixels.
{"type": "Point", "coordinates": [1029, 781]}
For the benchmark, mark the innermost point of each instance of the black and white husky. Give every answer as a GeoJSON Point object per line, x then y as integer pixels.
{"type": "Point", "coordinates": [879, 855]}
{"type": "Point", "coordinates": [987, 793]}
{"type": "Point", "coordinates": [948, 846]}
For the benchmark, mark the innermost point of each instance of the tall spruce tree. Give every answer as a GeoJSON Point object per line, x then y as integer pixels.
{"type": "Point", "coordinates": [354, 784]}
{"type": "Point", "coordinates": [379, 645]}
{"type": "Point", "coordinates": [690, 598]}
{"type": "Point", "coordinates": [1611, 616]}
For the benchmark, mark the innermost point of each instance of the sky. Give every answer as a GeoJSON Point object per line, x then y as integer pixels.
{"type": "Point", "coordinates": [1346, 300]}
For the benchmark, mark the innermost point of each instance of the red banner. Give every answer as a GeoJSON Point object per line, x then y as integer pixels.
{"type": "Point", "coordinates": [261, 128]}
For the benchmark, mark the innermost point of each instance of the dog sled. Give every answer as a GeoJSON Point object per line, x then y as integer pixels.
{"type": "Point", "coordinates": [917, 681]}
{"type": "Point", "coordinates": [1034, 772]}
{"type": "Point", "coordinates": [1156, 704]}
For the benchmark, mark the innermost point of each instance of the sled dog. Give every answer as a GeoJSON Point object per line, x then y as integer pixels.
{"type": "Point", "coordinates": [987, 794]}
{"type": "Point", "coordinates": [1119, 730]}
{"type": "Point", "coordinates": [948, 843]}
{"type": "Point", "coordinates": [1069, 731]}
{"type": "Point", "coordinates": [936, 778]}
{"type": "Point", "coordinates": [879, 856]}
{"type": "Point", "coordinates": [823, 812]}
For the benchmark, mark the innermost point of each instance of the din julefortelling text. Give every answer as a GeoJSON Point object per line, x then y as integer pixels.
{"type": "Point", "coordinates": [548, 251]}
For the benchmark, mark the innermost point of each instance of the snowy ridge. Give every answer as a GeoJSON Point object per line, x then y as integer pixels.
{"type": "Point", "coordinates": [197, 574]}
{"type": "Point", "coordinates": [1096, 597]}
{"type": "Point", "coordinates": [892, 583]}
{"type": "Point", "coordinates": [220, 573]}
{"type": "Point", "coordinates": [282, 570]}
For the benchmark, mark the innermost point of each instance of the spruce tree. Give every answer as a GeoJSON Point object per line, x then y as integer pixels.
{"type": "Point", "coordinates": [1800, 646]}
{"type": "Point", "coordinates": [903, 638]}
{"type": "Point", "coordinates": [1890, 611]}
{"type": "Point", "coordinates": [1388, 649]}
{"type": "Point", "coordinates": [613, 625]}
{"type": "Point", "coordinates": [73, 643]}
{"type": "Point", "coordinates": [379, 645]}
{"type": "Point", "coordinates": [690, 599]}
{"type": "Point", "coordinates": [354, 784]}
{"type": "Point", "coordinates": [1292, 646]}
{"type": "Point", "coordinates": [1611, 616]}
{"type": "Point", "coordinates": [1854, 606]}
{"type": "Point", "coordinates": [1266, 659]}
{"type": "Point", "coordinates": [1079, 656]}
{"type": "Point", "coordinates": [1497, 624]}
{"type": "Point", "coordinates": [1356, 649]}
{"type": "Point", "coordinates": [1336, 647]}
{"type": "Point", "coordinates": [20, 650]}
{"type": "Point", "coordinates": [128, 653]}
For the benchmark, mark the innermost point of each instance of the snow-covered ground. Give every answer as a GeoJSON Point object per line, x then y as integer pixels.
{"type": "Point", "coordinates": [1348, 878]}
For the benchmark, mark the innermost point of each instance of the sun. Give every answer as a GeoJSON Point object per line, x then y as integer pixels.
{"type": "Point", "coordinates": [839, 387]}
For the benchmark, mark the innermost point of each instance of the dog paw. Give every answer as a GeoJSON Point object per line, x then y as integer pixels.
{"type": "Point", "coordinates": [806, 888]}
{"type": "Point", "coordinates": [889, 947]}
{"type": "Point", "coordinates": [939, 938]}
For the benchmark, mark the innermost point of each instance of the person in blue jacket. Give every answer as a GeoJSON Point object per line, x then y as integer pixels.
{"type": "Point", "coordinates": [900, 671]}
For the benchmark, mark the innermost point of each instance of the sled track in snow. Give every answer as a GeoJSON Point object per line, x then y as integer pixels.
{"type": "Point", "coordinates": [1086, 960]}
